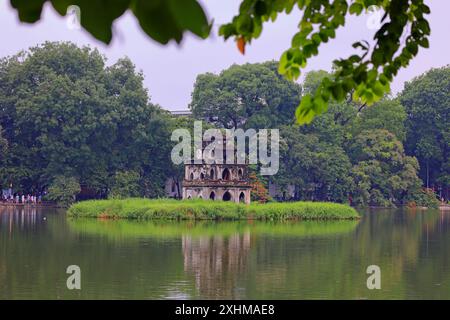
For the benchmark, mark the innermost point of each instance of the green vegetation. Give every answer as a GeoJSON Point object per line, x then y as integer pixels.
{"type": "Point", "coordinates": [351, 153]}
{"type": "Point", "coordinates": [79, 119]}
{"type": "Point", "coordinates": [76, 117]}
{"type": "Point", "coordinates": [145, 209]}
{"type": "Point", "coordinates": [365, 75]}
{"type": "Point", "coordinates": [63, 190]}
{"type": "Point", "coordinates": [126, 185]}
{"type": "Point", "coordinates": [248, 96]}
{"type": "Point", "coordinates": [427, 101]}
{"type": "Point", "coordinates": [424, 198]}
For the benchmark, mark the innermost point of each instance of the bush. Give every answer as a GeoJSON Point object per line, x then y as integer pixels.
{"type": "Point", "coordinates": [126, 184]}
{"type": "Point", "coordinates": [63, 190]}
{"type": "Point", "coordinates": [423, 198]}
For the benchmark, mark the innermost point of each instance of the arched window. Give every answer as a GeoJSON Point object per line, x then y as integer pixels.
{"type": "Point", "coordinates": [192, 176]}
{"type": "Point", "coordinates": [240, 174]}
{"type": "Point", "coordinates": [226, 196]}
{"type": "Point", "coordinates": [212, 196]}
{"type": "Point", "coordinates": [242, 197]}
{"type": "Point", "coordinates": [202, 176]}
{"type": "Point", "coordinates": [212, 174]}
{"type": "Point", "coordinates": [226, 174]}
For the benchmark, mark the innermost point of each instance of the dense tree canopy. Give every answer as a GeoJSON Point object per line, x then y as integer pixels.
{"type": "Point", "coordinates": [383, 174]}
{"type": "Point", "coordinates": [3, 146]}
{"type": "Point", "coordinates": [247, 96]}
{"type": "Point", "coordinates": [71, 123]}
{"type": "Point", "coordinates": [427, 103]}
{"type": "Point", "coordinates": [316, 169]}
{"type": "Point", "coordinates": [352, 151]}
{"type": "Point", "coordinates": [65, 113]}
{"type": "Point", "coordinates": [366, 74]}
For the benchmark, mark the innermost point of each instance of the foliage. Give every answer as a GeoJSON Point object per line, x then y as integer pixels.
{"type": "Point", "coordinates": [423, 198]}
{"type": "Point", "coordinates": [65, 113]}
{"type": "Point", "coordinates": [207, 209]}
{"type": "Point", "coordinates": [3, 146]}
{"type": "Point", "coordinates": [365, 75]}
{"type": "Point", "coordinates": [160, 20]}
{"type": "Point", "coordinates": [63, 190]}
{"type": "Point", "coordinates": [126, 185]}
{"type": "Point", "coordinates": [318, 170]}
{"type": "Point", "coordinates": [247, 96]}
{"type": "Point", "coordinates": [259, 191]}
{"type": "Point", "coordinates": [383, 174]}
{"type": "Point", "coordinates": [427, 100]}
{"type": "Point", "coordinates": [387, 114]}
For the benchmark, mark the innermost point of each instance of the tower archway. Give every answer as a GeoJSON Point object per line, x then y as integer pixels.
{"type": "Point", "coordinates": [226, 175]}
{"type": "Point", "coordinates": [227, 196]}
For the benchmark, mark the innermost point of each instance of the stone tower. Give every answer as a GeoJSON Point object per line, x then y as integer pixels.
{"type": "Point", "coordinates": [217, 181]}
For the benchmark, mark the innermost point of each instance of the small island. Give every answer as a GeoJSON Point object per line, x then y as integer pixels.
{"type": "Point", "coordinates": [198, 209]}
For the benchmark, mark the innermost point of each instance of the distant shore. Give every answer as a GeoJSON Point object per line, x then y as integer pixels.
{"type": "Point", "coordinates": [146, 209]}
{"type": "Point", "coordinates": [12, 204]}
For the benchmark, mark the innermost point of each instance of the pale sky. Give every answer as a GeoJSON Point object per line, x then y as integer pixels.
{"type": "Point", "coordinates": [170, 71]}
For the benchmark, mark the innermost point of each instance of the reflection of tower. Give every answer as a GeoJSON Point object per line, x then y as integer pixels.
{"type": "Point", "coordinates": [217, 181]}
{"type": "Point", "coordinates": [216, 263]}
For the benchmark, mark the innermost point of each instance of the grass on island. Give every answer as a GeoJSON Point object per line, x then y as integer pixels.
{"type": "Point", "coordinates": [146, 209]}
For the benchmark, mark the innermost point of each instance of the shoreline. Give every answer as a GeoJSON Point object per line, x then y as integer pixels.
{"type": "Point", "coordinates": [31, 205]}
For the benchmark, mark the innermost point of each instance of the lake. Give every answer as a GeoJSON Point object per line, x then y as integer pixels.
{"type": "Point", "coordinates": [224, 260]}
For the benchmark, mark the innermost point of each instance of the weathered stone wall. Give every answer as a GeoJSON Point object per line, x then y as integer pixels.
{"type": "Point", "coordinates": [226, 182]}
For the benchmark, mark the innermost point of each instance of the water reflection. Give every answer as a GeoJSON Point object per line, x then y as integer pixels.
{"type": "Point", "coordinates": [19, 217]}
{"type": "Point", "coordinates": [216, 262]}
{"type": "Point", "coordinates": [230, 260]}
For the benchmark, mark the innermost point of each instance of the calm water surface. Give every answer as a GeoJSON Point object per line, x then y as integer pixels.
{"type": "Point", "coordinates": [226, 260]}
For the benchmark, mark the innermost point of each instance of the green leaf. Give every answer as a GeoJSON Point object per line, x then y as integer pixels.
{"type": "Point", "coordinates": [356, 8]}
{"type": "Point", "coordinates": [304, 112]}
{"type": "Point", "coordinates": [162, 20]}
{"type": "Point", "coordinates": [157, 20]}
{"type": "Point", "coordinates": [244, 25]}
{"type": "Point", "coordinates": [29, 11]}
{"type": "Point", "coordinates": [99, 25]}
{"type": "Point", "coordinates": [189, 15]}
{"type": "Point", "coordinates": [260, 8]}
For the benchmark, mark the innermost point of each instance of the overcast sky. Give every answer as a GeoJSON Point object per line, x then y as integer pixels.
{"type": "Point", "coordinates": [170, 71]}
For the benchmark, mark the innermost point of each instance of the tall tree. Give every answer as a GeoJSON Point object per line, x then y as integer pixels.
{"type": "Point", "coordinates": [66, 114]}
{"type": "Point", "coordinates": [427, 103]}
{"type": "Point", "coordinates": [386, 114]}
{"type": "Point", "coordinates": [383, 174]}
{"type": "Point", "coordinates": [316, 169]}
{"type": "Point", "coordinates": [3, 150]}
{"type": "Point", "coordinates": [247, 96]}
